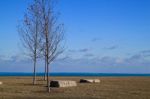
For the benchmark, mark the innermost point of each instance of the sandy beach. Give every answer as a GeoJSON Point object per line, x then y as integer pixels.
{"type": "Point", "coordinates": [109, 88]}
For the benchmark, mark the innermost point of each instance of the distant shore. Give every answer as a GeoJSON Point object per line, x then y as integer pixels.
{"type": "Point", "coordinates": [110, 88]}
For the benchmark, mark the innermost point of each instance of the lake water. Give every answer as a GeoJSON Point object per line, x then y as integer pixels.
{"type": "Point", "coordinates": [74, 74]}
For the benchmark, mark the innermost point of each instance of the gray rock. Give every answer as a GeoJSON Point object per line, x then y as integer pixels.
{"type": "Point", "coordinates": [62, 83]}
{"type": "Point", "coordinates": [89, 81]}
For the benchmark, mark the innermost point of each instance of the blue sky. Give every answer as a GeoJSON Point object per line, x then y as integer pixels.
{"type": "Point", "coordinates": [105, 36]}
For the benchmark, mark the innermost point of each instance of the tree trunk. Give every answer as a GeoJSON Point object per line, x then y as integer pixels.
{"type": "Point", "coordinates": [34, 73]}
{"type": "Point", "coordinates": [48, 82]}
{"type": "Point", "coordinates": [45, 70]}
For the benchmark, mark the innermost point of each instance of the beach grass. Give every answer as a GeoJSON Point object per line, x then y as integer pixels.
{"type": "Point", "coordinates": [109, 88]}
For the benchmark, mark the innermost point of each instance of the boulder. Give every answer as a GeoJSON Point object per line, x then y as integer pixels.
{"type": "Point", "coordinates": [86, 81]}
{"type": "Point", "coordinates": [89, 81]}
{"type": "Point", "coordinates": [1, 83]}
{"type": "Point", "coordinates": [96, 81]}
{"type": "Point", "coordinates": [62, 83]}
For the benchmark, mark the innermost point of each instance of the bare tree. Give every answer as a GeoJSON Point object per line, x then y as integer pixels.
{"type": "Point", "coordinates": [30, 31]}
{"type": "Point", "coordinates": [53, 34]}
{"type": "Point", "coordinates": [45, 74]}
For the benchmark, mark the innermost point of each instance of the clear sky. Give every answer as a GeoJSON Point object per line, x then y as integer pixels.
{"type": "Point", "coordinates": [104, 36]}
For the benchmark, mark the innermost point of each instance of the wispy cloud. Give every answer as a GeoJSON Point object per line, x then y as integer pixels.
{"type": "Point", "coordinates": [89, 62]}
{"type": "Point", "coordinates": [142, 56]}
{"type": "Point", "coordinates": [72, 51]}
{"type": "Point", "coordinates": [89, 55]}
{"type": "Point", "coordinates": [111, 47]}
{"type": "Point", "coordinates": [145, 53]}
{"type": "Point", "coordinates": [95, 39]}
{"type": "Point", "coordinates": [84, 50]}
{"type": "Point", "coordinates": [132, 60]}
{"type": "Point", "coordinates": [63, 58]}
{"type": "Point", "coordinates": [14, 59]}
{"type": "Point", "coordinates": [80, 50]}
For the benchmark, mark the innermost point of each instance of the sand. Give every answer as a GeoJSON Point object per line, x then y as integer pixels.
{"type": "Point", "coordinates": [109, 88]}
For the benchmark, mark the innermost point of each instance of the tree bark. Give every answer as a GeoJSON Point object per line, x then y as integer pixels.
{"type": "Point", "coordinates": [48, 82]}
{"type": "Point", "coordinates": [34, 73]}
{"type": "Point", "coordinates": [45, 77]}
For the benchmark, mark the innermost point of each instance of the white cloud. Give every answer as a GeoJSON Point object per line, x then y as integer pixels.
{"type": "Point", "coordinates": [66, 63]}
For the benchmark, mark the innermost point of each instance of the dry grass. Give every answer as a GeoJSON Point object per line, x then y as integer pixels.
{"type": "Point", "coordinates": [109, 88]}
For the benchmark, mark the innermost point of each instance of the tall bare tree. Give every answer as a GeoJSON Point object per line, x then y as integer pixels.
{"type": "Point", "coordinates": [53, 34]}
{"type": "Point", "coordinates": [30, 32]}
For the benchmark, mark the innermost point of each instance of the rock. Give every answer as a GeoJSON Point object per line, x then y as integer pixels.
{"type": "Point", "coordinates": [62, 83]}
{"type": "Point", "coordinates": [96, 81]}
{"type": "Point", "coordinates": [89, 81]}
{"type": "Point", "coordinates": [86, 81]}
{"type": "Point", "coordinates": [1, 83]}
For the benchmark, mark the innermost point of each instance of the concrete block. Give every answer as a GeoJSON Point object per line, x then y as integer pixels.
{"type": "Point", "coordinates": [62, 83]}
{"type": "Point", "coordinates": [96, 81]}
{"type": "Point", "coordinates": [1, 83]}
{"type": "Point", "coordinates": [89, 81]}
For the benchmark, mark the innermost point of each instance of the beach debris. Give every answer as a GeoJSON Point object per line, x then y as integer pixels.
{"type": "Point", "coordinates": [1, 83]}
{"type": "Point", "coordinates": [62, 83]}
{"type": "Point", "coordinates": [89, 81]}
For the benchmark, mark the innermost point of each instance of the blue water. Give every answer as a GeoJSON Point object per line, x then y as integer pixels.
{"type": "Point", "coordinates": [76, 74]}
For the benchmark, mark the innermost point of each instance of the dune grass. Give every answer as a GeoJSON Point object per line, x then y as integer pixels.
{"type": "Point", "coordinates": [109, 88]}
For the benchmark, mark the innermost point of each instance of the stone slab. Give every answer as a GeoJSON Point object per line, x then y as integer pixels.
{"type": "Point", "coordinates": [89, 81]}
{"type": "Point", "coordinates": [1, 83]}
{"type": "Point", "coordinates": [97, 81]}
{"type": "Point", "coordinates": [62, 83]}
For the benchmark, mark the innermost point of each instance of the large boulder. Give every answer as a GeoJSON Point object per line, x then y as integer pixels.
{"type": "Point", "coordinates": [62, 83]}
{"type": "Point", "coordinates": [1, 83]}
{"type": "Point", "coordinates": [89, 81]}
